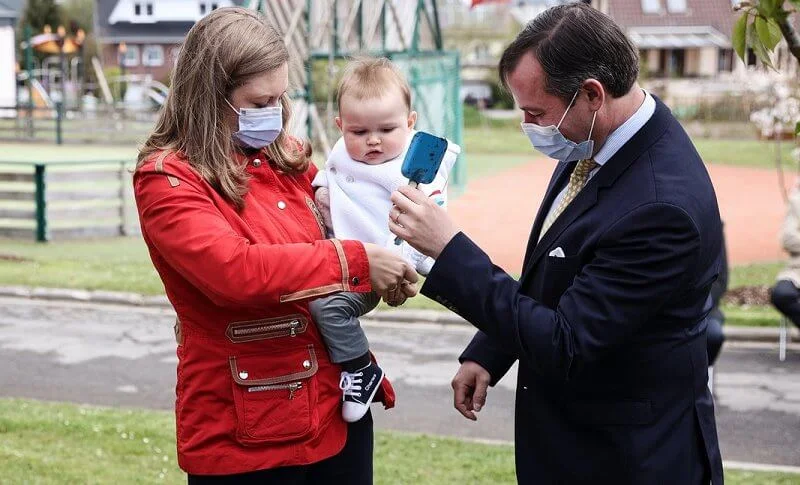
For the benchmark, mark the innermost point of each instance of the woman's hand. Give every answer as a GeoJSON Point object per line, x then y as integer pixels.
{"type": "Point", "coordinates": [392, 278]}
{"type": "Point", "coordinates": [322, 197]}
{"type": "Point", "coordinates": [418, 220]}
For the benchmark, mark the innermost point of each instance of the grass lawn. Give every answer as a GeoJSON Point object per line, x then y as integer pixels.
{"type": "Point", "coordinates": [746, 153]}
{"type": "Point", "coordinates": [29, 152]}
{"type": "Point", "coordinates": [66, 443]}
{"type": "Point", "coordinates": [762, 274]}
{"type": "Point", "coordinates": [120, 264]}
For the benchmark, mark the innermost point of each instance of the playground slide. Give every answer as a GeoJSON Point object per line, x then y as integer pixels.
{"type": "Point", "coordinates": [157, 92]}
{"type": "Point", "coordinates": [101, 79]}
{"type": "Point", "coordinates": [156, 96]}
{"type": "Point", "coordinates": [40, 97]}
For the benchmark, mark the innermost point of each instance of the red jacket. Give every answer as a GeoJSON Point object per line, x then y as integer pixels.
{"type": "Point", "coordinates": [255, 386]}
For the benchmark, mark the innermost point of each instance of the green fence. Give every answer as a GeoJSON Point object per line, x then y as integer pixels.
{"type": "Point", "coordinates": [435, 80]}
{"type": "Point", "coordinates": [65, 200]}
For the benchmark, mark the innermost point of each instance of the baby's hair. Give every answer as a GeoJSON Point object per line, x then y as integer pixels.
{"type": "Point", "coordinates": [372, 77]}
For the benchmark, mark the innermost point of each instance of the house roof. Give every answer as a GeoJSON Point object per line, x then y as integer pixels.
{"type": "Point", "coordinates": [164, 32]}
{"type": "Point", "coordinates": [10, 9]}
{"type": "Point", "coordinates": [717, 14]}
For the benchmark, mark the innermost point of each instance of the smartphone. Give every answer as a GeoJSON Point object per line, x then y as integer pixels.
{"type": "Point", "coordinates": [423, 158]}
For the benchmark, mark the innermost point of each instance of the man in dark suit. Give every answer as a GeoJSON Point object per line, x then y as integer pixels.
{"type": "Point", "coordinates": [608, 321]}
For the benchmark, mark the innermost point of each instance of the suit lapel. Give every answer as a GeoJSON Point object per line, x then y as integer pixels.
{"type": "Point", "coordinates": [557, 182]}
{"type": "Point", "coordinates": [605, 177]}
{"type": "Point", "coordinates": [585, 199]}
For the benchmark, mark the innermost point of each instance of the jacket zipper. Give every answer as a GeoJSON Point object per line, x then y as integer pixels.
{"type": "Point", "coordinates": [291, 326]}
{"type": "Point", "coordinates": [292, 387]}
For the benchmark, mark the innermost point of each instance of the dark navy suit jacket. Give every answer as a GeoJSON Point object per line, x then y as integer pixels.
{"type": "Point", "coordinates": [611, 338]}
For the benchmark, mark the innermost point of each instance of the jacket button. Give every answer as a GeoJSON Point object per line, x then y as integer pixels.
{"type": "Point", "coordinates": [355, 281]}
{"type": "Point", "coordinates": [350, 179]}
{"type": "Point", "coordinates": [256, 162]}
{"type": "Point", "coordinates": [281, 205]}
{"type": "Point", "coordinates": [306, 364]}
{"type": "Point", "coordinates": [243, 374]}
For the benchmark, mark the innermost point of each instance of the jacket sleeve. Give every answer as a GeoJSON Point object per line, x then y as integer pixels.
{"type": "Point", "coordinates": [181, 222]}
{"type": "Point", "coordinates": [639, 264]}
{"type": "Point", "coordinates": [790, 233]}
{"type": "Point", "coordinates": [486, 353]}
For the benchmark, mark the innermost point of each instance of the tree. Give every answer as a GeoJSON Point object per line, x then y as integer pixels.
{"type": "Point", "coordinates": [761, 27]}
{"type": "Point", "coordinates": [77, 14]}
{"type": "Point", "coordinates": [39, 13]}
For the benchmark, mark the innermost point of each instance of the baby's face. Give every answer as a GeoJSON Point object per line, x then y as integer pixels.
{"type": "Point", "coordinates": [375, 130]}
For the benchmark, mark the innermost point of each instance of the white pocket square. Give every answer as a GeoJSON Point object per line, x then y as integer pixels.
{"type": "Point", "coordinates": [557, 253]}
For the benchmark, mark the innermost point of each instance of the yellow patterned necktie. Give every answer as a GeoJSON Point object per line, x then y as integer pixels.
{"type": "Point", "coordinates": [577, 180]}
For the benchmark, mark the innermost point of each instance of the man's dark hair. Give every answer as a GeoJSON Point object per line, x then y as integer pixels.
{"type": "Point", "coordinates": [573, 43]}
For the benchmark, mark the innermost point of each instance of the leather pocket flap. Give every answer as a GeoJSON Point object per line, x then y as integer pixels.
{"type": "Point", "coordinates": [254, 370]}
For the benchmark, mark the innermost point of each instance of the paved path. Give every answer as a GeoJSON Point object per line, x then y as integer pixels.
{"type": "Point", "coordinates": [124, 356]}
{"type": "Point", "coordinates": [498, 211]}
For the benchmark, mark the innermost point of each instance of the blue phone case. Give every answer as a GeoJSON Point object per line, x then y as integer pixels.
{"type": "Point", "coordinates": [423, 158]}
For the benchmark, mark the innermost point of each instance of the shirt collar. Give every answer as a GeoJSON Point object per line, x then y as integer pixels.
{"type": "Point", "coordinates": [619, 137]}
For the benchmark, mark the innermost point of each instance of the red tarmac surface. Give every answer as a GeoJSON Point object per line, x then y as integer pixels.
{"type": "Point", "coordinates": [497, 211]}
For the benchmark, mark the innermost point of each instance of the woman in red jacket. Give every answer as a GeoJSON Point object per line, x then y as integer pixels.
{"type": "Point", "coordinates": [227, 212]}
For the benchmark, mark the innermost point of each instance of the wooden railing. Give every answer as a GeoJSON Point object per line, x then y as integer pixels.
{"type": "Point", "coordinates": [66, 200]}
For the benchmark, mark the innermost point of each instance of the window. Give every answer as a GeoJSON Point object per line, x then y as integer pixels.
{"type": "Point", "coordinates": [153, 55]}
{"type": "Point", "coordinates": [651, 6]}
{"type": "Point", "coordinates": [214, 6]}
{"type": "Point", "coordinates": [150, 9]}
{"type": "Point", "coordinates": [202, 8]}
{"type": "Point", "coordinates": [137, 9]}
{"type": "Point", "coordinates": [676, 6]}
{"type": "Point", "coordinates": [131, 56]}
{"type": "Point", "coordinates": [725, 59]}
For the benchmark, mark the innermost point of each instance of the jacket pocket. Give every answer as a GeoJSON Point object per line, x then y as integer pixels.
{"type": "Point", "coordinates": [266, 328]}
{"type": "Point", "coordinates": [275, 396]}
{"type": "Point", "coordinates": [557, 276]}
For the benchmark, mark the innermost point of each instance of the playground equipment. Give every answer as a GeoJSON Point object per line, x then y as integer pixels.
{"type": "Point", "coordinates": [324, 33]}
{"type": "Point", "coordinates": [55, 70]}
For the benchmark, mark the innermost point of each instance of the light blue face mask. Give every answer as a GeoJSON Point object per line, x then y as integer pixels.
{"type": "Point", "coordinates": [550, 141]}
{"type": "Point", "coordinates": [258, 127]}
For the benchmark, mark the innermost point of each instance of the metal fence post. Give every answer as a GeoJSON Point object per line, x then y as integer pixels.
{"type": "Point", "coordinates": [41, 204]}
{"type": "Point", "coordinates": [460, 175]}
{"type": "Point", "coordinates": [29, 68]}
{"type": "Point", "coordinates": [123, 200]}
{"type": "Point", "coordinates": [59, 116]}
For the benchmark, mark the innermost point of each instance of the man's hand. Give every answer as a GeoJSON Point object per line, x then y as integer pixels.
{"type": "Point", "coordinates": [469, 389]}
{"type": "Point", "coordinates": [418, 220]}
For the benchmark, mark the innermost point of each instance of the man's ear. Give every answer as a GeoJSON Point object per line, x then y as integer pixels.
{"type": "Point", "coordinates": [412, 119]}
{"type": "Point", "coordinates": [338, 121]}
{"type": "Point", "coordinates": [595, 93]}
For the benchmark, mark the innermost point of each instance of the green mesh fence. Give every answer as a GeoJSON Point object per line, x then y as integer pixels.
{"type": "Point", "coordinates": [435, 80]}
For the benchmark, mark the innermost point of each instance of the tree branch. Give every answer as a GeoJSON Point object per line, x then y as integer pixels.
{"type": "Point", "coordinates": [791, 35]}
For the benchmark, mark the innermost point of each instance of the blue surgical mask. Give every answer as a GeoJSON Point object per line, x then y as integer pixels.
{"type": "Point", "coordinates": [258, 127]}
{"type": "Point", "coordinates": [550, 141]}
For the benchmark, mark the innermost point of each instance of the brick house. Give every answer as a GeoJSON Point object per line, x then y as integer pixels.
{"type": "Point", "coordinates": [685, 38]}
{"type": "Point", "coordinates": [151, 31]}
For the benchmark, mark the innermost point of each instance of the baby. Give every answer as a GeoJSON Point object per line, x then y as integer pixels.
{"type": "Point", "coordinates": [353, 191]}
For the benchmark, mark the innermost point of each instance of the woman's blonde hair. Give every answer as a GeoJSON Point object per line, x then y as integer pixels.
{"type": "Point", "coordinates": [222, 51]}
